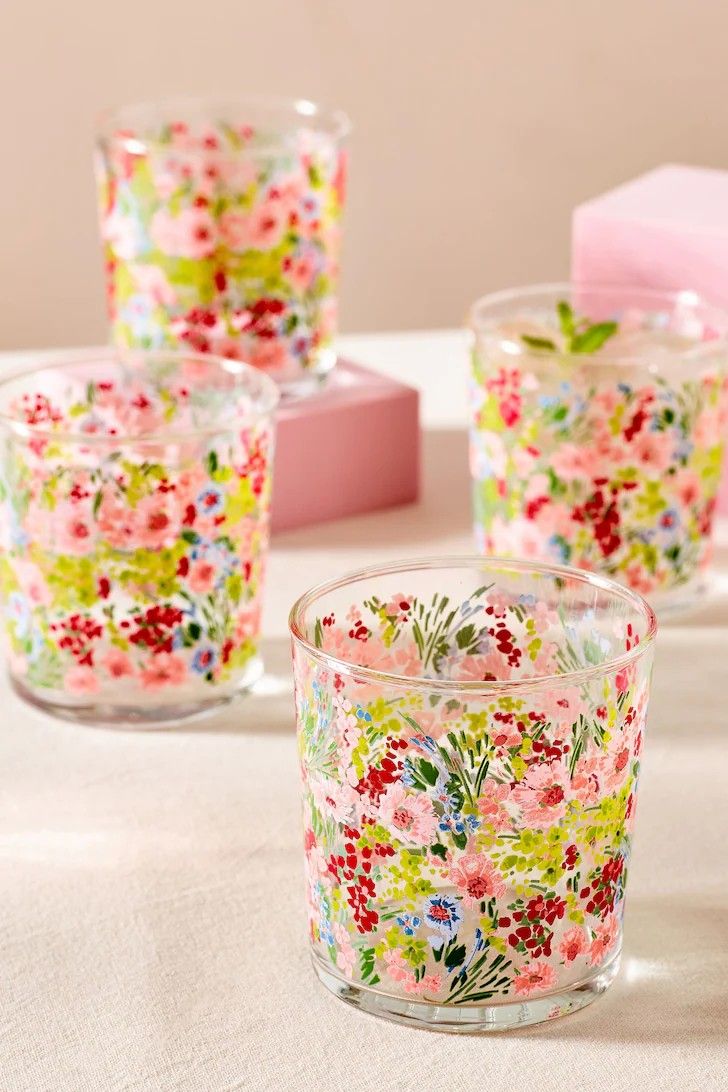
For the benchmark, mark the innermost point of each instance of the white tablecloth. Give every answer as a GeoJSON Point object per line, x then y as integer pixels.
{"type": "Point", "coordinates": [152, 930]}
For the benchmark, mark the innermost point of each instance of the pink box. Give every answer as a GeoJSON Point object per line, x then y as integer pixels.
{"type": "Point", "coordinates": [666, 229]}
{"type": "Point", "coordinates": [353, 448]}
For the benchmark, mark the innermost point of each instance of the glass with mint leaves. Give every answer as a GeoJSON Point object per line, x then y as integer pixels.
{"type": "Point", "coordinates": [598, 427]}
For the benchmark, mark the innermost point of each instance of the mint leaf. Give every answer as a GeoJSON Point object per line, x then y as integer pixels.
{"type": "Point", "coordinates": [538, 342]}
{"type": "Point", "coordinates": [593, 337]}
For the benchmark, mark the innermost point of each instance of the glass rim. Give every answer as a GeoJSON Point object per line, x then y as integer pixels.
{"type": "Point", "coordinates": [269, 397]}
{"type": "Point", "coordinates": [336, 122]}
{"type": "Point", "coordinates": [474, 561]}
{"type": "Point", "coordinates": [687, 297]}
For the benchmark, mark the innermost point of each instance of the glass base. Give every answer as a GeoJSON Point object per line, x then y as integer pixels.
{"type": "Point", "coordinates": [100, 712]}
{"type": "Point", "coordinates": [309, 382]}
{"type": "Point", "coordinates": [471, 1019]}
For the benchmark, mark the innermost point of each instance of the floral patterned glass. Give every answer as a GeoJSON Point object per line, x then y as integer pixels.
{"type": "Point", "coordinates": [220, 222]}
{"type": "Point", "coordinates": [598, 430]}
{"type": "Point", "coordinates": [470, 735]}
{"type": "Point", "coordinates": [134, 491]}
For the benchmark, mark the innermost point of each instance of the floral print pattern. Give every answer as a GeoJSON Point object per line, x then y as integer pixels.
{"type": "Point", "coordinates": [132, 564]}
{"type": "Point", "coordinates": [466, 848]}
{"type": "Point", "coordinates": [606, 468]}
{"type": "Point", "coordinates": [217, 243]}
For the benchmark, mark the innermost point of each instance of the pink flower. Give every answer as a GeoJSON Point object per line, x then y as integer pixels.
{"type": "Point", "coordinates": [345, 956]}
{"type": "Point", "coordinates": [400, 972]}
{"type": "Point", "coordinates": [534, 978]}
{"type": "Point", "coordinates": [163, 669]}
{"type": "Point", "coordinates": [118, 664]}
{"type": "Point", "coordinates": [540, 794]}
{"type": "Point", "coordinates": [151, 280]}
{"type": "Point", "coordinates": [707, 430]}
{"type": "Point", "coordinates": [637, 577]}
{"type": "Point", "coordinates": [573, 943]}
{"type": "Point", "coordinates": [489, 666]}
{"type": "Point", "coordinates": [190, 234]}
{"type": "Point", "coordinates": [301, 272]}
{"type": "Point", "coordinates": [202, 575]}
{"type": "Point", "coordinates": [477, 879]}
{"type": "Point", "coordinates": [408, 816]}
{"type": "Point", "coordinates": [158, 520]}
{"type": "Point", "coordinates": [517, 537]}
{"type": "Point", "coordinates": [686, 484]}
{"type": "Point", "coordinates": [586, 781]}
{"type": "Point", "coordinates": [289, 194]}
{"type": "Point", "coordinates": [123, 236]}
{"type": "Point", "coordinates": [605, 937]}
{"type": "Point", "coordinates": [247, 624]}
{"type": "Point", "coordinates": [491, 803]}
{"type": "Point", "coordinates": [653, 450]}
{"type": "Point", "coordinates": [616, 761]}
{"type": "Point", "coordinates": [403, 659]}
{"type": "Point", "coordinates": [260, 229]}
{"type": "Point", "coordinates": [116, 522]}
{"type": "Point", "coordinates": [572, 462]}
{"type": "Point", "coordinates": [233, 226]}
{"type": "Point", "coordinates": [81, 679]}
{"type": "Point", "coordinates": [75, 531]}
{"type": "Point", "coordinates": [267, 353]}
{"type": "Point", "coordinates": [32, 582]}
{"type": "Point", "coordinates": [563, 706]}
{"type": "Point", "coordinates": [335, 800]}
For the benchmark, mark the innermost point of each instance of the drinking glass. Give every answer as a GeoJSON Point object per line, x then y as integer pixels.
{"type": "Point", "coordinates": [598, 431]}
{"type": "Point", "coordinates": [470, 734]}
{"type": "Point", "coordinates": [220, 221]}
{"type": "Point", "coordinates": [134, 489]}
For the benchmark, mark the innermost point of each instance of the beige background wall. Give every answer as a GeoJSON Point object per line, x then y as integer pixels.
{"type": "Point", "coordinates": [479, 124]}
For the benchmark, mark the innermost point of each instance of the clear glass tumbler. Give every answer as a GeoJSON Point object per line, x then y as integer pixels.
{"type": "Point", "coordinates": [598, 431]}
{"type": "Point", "coordinates": [134, 490]}
{"type": "Point", "coordinates": [220, 221]}
{"type": "Point", "coordinates": [470, 733]}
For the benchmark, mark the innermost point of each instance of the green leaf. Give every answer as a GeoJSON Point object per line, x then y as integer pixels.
{"type": "Point", "coordinates": [538, 342]}
{"type": "Point", "coordinates": [593, 337]}
{"type": "Point", "coordinates": [428, 771]}
{"type": "Point", "coordinates": [460, 840]}
{"type": "Point", "coordinates": [567, 319]}
{"type": "Point", "coordinates": [455, 958]}
{"type": "Point", "coordinates": [212, 461]}
{"type": "Point", "coordinates": [318, 634]}
{"type": "Point", "coordinates": [190, 536]}
{"type": "Point", "coordinates": [439, 850]}
{"type": "Point", "coordinates": [465, 636]}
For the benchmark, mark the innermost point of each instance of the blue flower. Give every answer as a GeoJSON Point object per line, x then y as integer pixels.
{"type": "Point", "coordinates": [425, 743]}
{"type": "Point", "coordinates": [37, 645]}
{"type": "Point", "coordinates": [204, 660]}
{"type": "Point", "coordinates": [443, 914]}
{"type": "Point", "coordinates": [19, 613]}
{"type": "Point", "coordinates": [210, 501]}
{"type": "Point", "coordinates": [138, 314]}
{"type": "Point", "coordinates": [457, 823]}
{"type": "Point", "coordinates": [408, 773]}
{"type": "Point", "coordinates": [363, 715]}
{"type": "Point", "coordinates": [410, 923]}
{"type": "Point", "coordinates": [559, 548]}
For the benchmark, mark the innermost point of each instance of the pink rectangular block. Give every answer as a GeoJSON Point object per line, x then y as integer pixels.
{"type": "Point", "coordinates": [353, 448]}
{"type": "Point", "coordinates": [667, 229]}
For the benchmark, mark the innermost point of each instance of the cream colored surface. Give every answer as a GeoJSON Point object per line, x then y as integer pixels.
{"type": "Point", "coordinates": [478, 126]}
{"type": "Point", "coordinates": [152, 934]}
